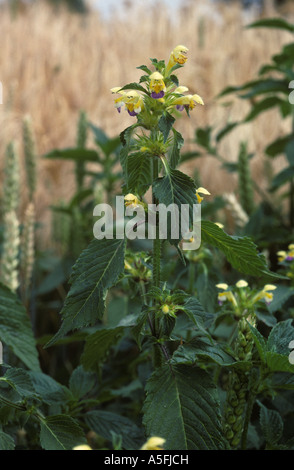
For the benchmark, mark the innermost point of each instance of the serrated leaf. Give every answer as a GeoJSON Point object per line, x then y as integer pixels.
{"type": "Point", "coordinates": [278, 362]}
{"type": "Point", "coordinates": [271, 425]}
{"type": "Point", "coordinates": [51, 391]}
{"type": "Point", "coordinates": [175, 188]}
{"type": "Point", "coordinates": [97, 346]}
{"type": "Point", "coordinates": [241, 252]}
{"type": "Point", "coordinates": [96, 270]}
{"type": "Point", "coordinates": [190, 353]}
{"type": "Point", "coordinates": [134, 86]}
{"type": "Point", "coordinates": [197, 314]}
{"type": "Point", "coordinates": [139, 171]}
{"type": "Point", "coordinates": [61, 432]}
{"type": "Point", "coordinates": [280, 337]}
{"type": "Point", "coordinates": [81, 382]}
{"type": "Point", "coordinates": [105, 423]}
{"type": "Point", "coordinates": [16, 330]}
{"type": "Point", "coordinates": [182, 407]}
{"type": "Point", "coordinates": [20, 381]}
{"type": "Point", "coordinates": [177, 145]}
{"type": "Point", "coordinates": [165, 124]}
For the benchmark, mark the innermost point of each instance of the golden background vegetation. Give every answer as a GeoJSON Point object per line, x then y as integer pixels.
{"type": "Point", "coordinates": [53, 64]}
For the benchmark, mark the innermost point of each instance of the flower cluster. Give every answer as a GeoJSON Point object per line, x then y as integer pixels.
{"type": "Point", "coordinates": [161, 88]}
{"type": "Point", "coordinates": [286, 255]}
{"type": "Point", "coordinates": [242, 296]}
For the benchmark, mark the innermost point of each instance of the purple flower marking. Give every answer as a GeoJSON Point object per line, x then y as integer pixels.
{"type": "Point", "coordinates": [157, 95]}
{"type": "Point", "coordinates": [180, 107]}
{"type": "Point", "coordinates": [289, 258]}
{"type": "Point", "coordinates": [132, 113]}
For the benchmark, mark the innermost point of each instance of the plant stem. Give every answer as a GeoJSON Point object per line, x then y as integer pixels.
{"type": "Point", "coordinates": [156, 241]}
{"type": "Point", "coordinates": [250, 403]}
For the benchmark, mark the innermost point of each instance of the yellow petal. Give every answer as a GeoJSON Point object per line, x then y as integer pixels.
{"type": "Point", "coordinates": [153, 443]}
{"type": "Point", "coordinates": [156, 76]}
{"type": "Point", "coordinates": [203, 191]}
{"type": "Point", "coordinates": [198, 99]}
{"type": "Point", "coordinates": [82, 447]}
{"type": "Point", "coordinates": [241, 283]}
{"type": "Point", "coordinates": [222, 286]}
{"type": "Point", "coordinates": [268, 287]}
{"type": "Point", "coordinates": [181, 89]}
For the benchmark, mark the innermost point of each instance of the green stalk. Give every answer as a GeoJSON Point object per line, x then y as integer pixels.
{"type": "Point", "coordinates": [156, 241]}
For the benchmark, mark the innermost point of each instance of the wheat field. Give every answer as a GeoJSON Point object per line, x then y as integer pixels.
{"type": "Point", "coordinates": [52, 65]}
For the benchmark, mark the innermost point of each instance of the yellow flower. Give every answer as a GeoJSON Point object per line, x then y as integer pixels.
{"type": "Point", "coordinates": [241, 284]}
{"type": "Point", "coordinates": [157, 85]}
{"type": "Point", "coordinates": [201, 191]}
{"type": "Point", "coordinates": [132, 201]}
{"type": "Point", "coordinates": [226, 295]}
{"type": "Point", "coordinates": [281, 255]}
{"type": "Point", "coordinates": [153, 443]}
{"type": "Point", "coordinates": [165, 309]}
{"type": "Point", "coordinates": [177, 56]}
{"type": "Point", "coordinates": [265, 294]}
{"type": "Point", "coordinates": [82, 447]}
{"type": "Point", "coordinates": [132, 100]}
{"type": "Point", "coordinates": [188, 102]}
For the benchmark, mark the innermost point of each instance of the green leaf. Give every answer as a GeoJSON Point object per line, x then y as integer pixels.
{"type": "Point", "coordinates": [15, 329]}
{"type": "Point", "coordinates": [278, 23]}
{"type": "Point", "coordinates": [75, 154]}
{"type": "Point", "coordinates": [81, 382]}
{"type": "Point", "coordinates": [228, 128]}
{"type": "Point", "coordinates": [241, 252]}
{"type": "Point", "coordinates": [258, 87]}
{"type": "Point", "coordinates": [280, 337]}
{"type": "Point", "coordinates": [175, 154]}
{"type": "Point", "coordinates": [96, 270]}
{"type": "Point", "coordinates": [285, 176]}
{"type": "Point", "coordinates": [196, 313]}
{"type": "Point", "coordinates": [60, 432]}
{"type": "Point", "coordinates": [175, 188]}
{"type": "Point", "coordinates": [52, 392]}
{"type": "Point", "coordinates": [271, 425]}
{"type": "Point", "coordinates": [165, 124]}
{"type": "Point", "coordinates": [278, 362]}
{"type": "Point", "coordinates": [139, 173]}
{"type": "Point", "coordinates": [105, 423]}
{"type": "Point", "coordinates": [289, 150]}
{"type": "Point", "coordinates": [98, 345]}
{"type": "Point", "coordinates": [6, 441]}
{"type": "Point", "coordinates": [182, 407]}
{"type": "Point", "coordinates": [278, 146]}
{"type": "Point", "coordinates": [201, 349]}
{"type": "Point", "coordinates": [135, 86]}
{"type": "Point", "coordinates": [281, 295]}
{"type": "Point", "coordinates": [20, 381]}
{"type": "Point", "coordinates": [259, 341]}
{"type": "Point", "coordinates": [262, 106]}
